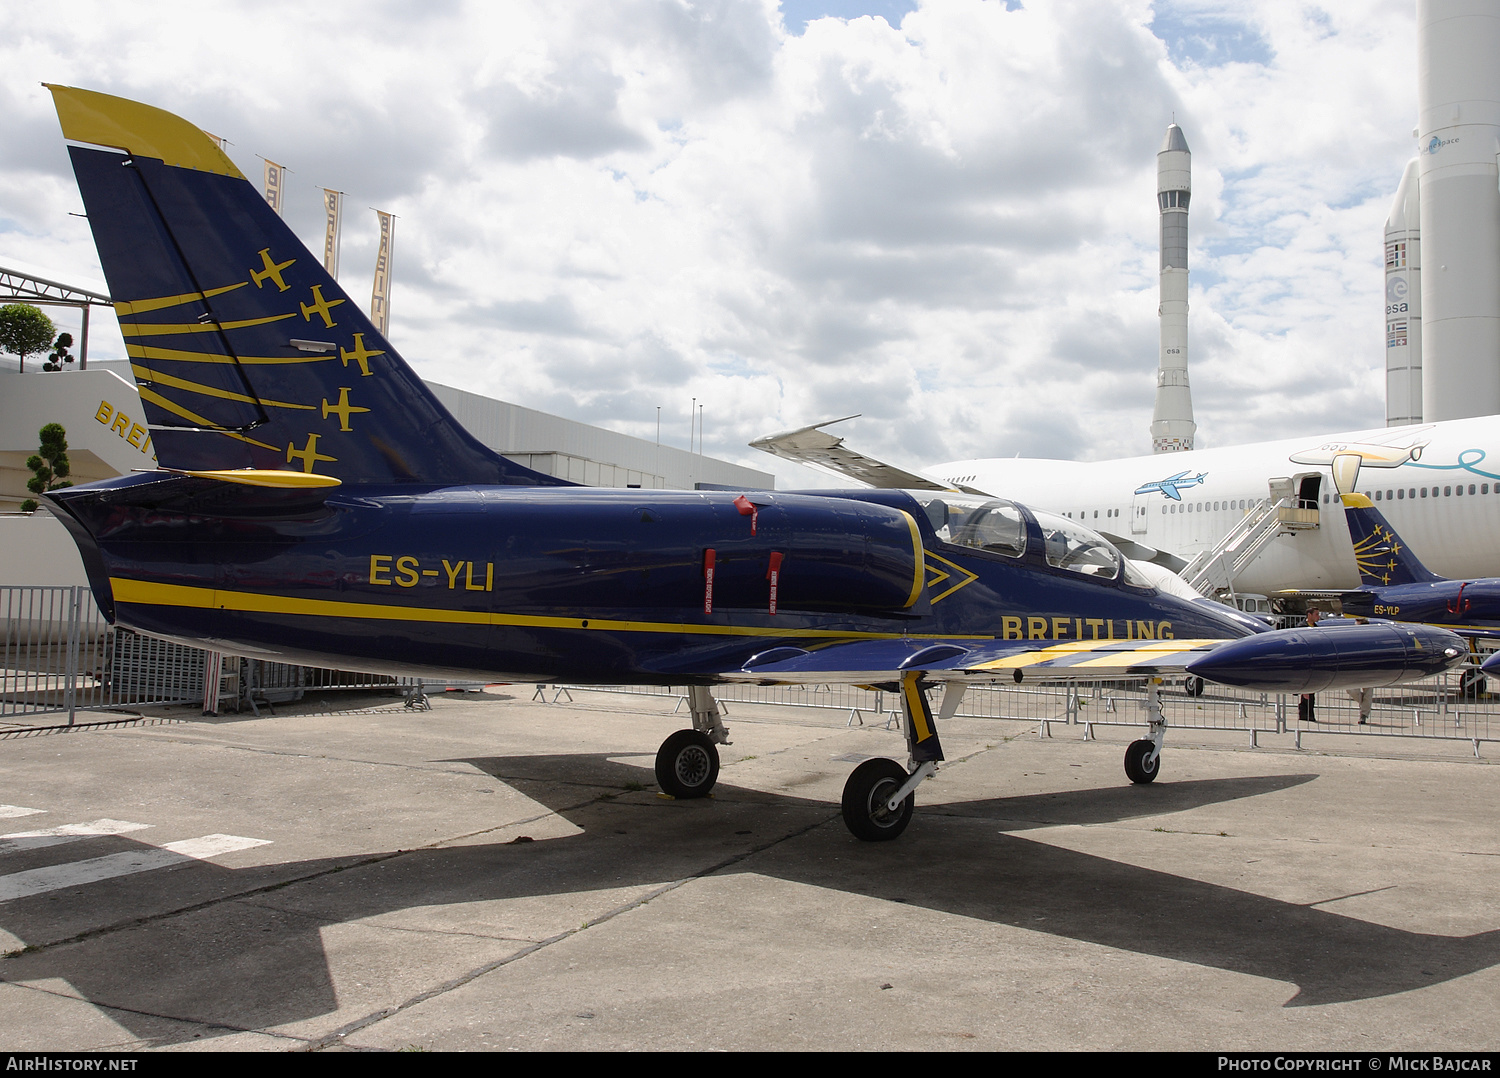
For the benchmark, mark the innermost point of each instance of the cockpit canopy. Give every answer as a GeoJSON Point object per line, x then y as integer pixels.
{"type": "Point", "coordinates": [999, 527]}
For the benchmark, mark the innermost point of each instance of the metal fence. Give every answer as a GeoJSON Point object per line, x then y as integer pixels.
{"type": "Point", "coordinates": [1437, 708]}
{"type": "Point", "coordinates": [59, 655]}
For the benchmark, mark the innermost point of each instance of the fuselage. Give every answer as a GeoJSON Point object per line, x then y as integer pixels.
{"type": "Point", "coordinates": [584, 584]}
{"type": "Point", "coordinates": [1459, 605]}
{"type": "Point", "coordinates": [1438, 484]}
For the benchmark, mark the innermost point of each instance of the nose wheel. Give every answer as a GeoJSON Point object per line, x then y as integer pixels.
{"type": "Point", "coordinates": [1142, 762]}
{"type": "Point", "coordinates": [687, 765]}
{"type": "Point", "coordinates": [867, 795]}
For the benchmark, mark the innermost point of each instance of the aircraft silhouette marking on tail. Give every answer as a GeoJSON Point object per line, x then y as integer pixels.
{"type": "Point", "coordinates": [360, 355]}
{"type": "Point", "coordinates": [271, 271]}
{"type": "Point", "coordinates": [308, 454]}
{"type": "Point", "coordinates": [343, 409]}
{"type": "Point", "coordinates": [320, 307]}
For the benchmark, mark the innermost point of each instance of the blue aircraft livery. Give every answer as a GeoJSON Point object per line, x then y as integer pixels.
{"type": "Point", "coordinates": [1173, 485]}
{"type": "Point", "coordinates": [1396, 585]}
{"type": "Point", "coordinates": [313, 502]}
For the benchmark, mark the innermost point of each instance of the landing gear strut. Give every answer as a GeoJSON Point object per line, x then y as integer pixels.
{"type": "Point", "coordinates": [879, 797]}
{"type": "Point", "coordinates": [1143, 757]}
{"type": "Point", "coordinates": [687, 764]}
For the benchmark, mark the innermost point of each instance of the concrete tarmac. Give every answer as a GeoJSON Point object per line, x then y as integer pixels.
{"type": "Point", "coordinates": [501, 874]}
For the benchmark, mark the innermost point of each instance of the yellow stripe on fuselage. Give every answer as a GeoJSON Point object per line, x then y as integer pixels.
{"type": "Point", "coordinates": [149, 593]}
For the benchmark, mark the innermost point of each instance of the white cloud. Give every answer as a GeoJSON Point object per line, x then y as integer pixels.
{"type": "Point", "coordinates": [943, 219]}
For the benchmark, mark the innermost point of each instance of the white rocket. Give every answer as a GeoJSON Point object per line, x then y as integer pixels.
{"type": "Point", "coordinates": [1458, 136]}
{"type": "Point", "coordinates": [1172, 426]}
{"type": "Point", "coordinates": [1403, 304]}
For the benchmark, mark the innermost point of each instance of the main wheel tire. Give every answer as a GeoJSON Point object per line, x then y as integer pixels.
{"type": "Point", "coordinates": [687, 765]}
{"type": "Point", "coordinates": [865, 795]}
{"type": "Point", "coordinates": [1140, 767]}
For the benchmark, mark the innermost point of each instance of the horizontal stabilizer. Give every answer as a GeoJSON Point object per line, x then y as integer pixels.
{"type": "Point", "coordinates": [266, 477]}
{"type": "Point", "coordinates": [810, 445]}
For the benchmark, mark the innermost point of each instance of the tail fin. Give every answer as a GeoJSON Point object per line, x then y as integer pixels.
{"type": "Point", "coordinates": [247, 353]}
{"type": "Point", "coordinates": [1381, 554]}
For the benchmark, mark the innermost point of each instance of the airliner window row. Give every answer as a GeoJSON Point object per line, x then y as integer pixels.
{"type": "Point", "coordinates": [1422, 492]}
{"type": "Point", "coordinates": [1083, 514]}
{"type": "Point", "coordinates": [1205, 507]}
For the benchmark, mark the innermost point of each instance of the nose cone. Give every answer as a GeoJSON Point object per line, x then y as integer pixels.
{"type": "Point", "coordinates": [1175, 140]}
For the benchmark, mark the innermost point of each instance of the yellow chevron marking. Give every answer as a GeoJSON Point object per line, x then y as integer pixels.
{"type": "Point", "coordinates": [968, 577]}
{"type": "Point", "coordinates": [167, 329]}
{"type": "Point", "coordinates": [157, 378]}
{"type": "Point", "coordinates": [141, 306]}
{"type": "Point", "coordinates": [148, 593]}
{"type": "Point", "coordinates": [146, 351]}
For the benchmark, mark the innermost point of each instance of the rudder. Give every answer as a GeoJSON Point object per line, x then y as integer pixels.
{"type": "Point", "coordinates": [1381, 555]}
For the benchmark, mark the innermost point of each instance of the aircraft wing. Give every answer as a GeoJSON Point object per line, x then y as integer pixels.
{"type": "Point", "coordinates": [811, 445]}
{"type": "Point", "coordinates": [1296, 660]}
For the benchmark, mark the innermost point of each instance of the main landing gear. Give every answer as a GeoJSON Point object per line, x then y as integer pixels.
{"type": "Point", "coordinates": [1143, 757]}
{"type": "Point", "coordinates": [879, 797]}
{"type": "Point", "coordinates": [687, 764]}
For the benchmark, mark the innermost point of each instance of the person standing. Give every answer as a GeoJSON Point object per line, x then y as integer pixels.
{"type": "Point", "coordinates": [1307, 705]}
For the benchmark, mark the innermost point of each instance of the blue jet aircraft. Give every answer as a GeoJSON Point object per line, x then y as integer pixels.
{"type": "Point", "coordinates": [314, 503]}
{"type": "Point", "coordinates": [1395, 585]}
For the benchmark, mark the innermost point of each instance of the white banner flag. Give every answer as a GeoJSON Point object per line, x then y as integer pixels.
{"type": "Point", "coordinates": [275, 178]}
{"type": "Point", "coordinates": [380, 295]}
{"type": "Point", "coordinates": [333, 204]}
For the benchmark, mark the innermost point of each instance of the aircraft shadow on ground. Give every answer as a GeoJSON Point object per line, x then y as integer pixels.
{"type": "Point", "coordinates": [254, 958]}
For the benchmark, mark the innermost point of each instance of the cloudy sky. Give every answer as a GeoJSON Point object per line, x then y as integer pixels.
{"type": "Point", "coordinates": [939, 214]}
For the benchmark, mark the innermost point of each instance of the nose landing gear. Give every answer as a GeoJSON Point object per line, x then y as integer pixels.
{"type": "Point", "coordinates": [687, 764]}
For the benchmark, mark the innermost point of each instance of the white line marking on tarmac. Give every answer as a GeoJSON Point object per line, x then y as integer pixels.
{"type": "Point", "coordinates": [68, 832]}
{"type": "Point", "coordinates": [39, 881]}
{"type": "Point", "coordinates": [11, 811]}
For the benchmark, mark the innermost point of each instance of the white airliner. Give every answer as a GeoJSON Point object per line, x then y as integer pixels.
{"type": "Point", "coordinates": [1438, 484]}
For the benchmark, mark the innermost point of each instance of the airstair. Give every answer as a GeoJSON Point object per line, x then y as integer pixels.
{"type": "Point", "coordinates": [1213, 572]}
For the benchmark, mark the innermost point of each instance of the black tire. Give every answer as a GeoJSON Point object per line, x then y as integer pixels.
{"type": "Point", "coordinates": [1472, 684]}
{"type": "Point", "coordinates": [1139, 767]}
{"type": "Point", "coordinates": [1193, 685]}
{"type": "Point", "coordinates": [687, 765]}
{"type": "Point", "coordinates": [865, 794]}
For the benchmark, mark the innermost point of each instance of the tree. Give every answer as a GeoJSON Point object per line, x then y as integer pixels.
{"type": "Point", "coordinates": [50, 465]}
{"type": "Point", "coordinates": [24, 330]}
{"type": "Point", "coordinates": [60, 353]}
